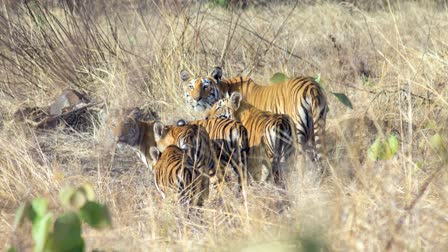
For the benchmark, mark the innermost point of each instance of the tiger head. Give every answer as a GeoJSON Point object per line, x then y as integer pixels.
{"type": "Point", "coordinates": [183, 136]}
{"type": "Point", "coordinates": [162, 135]}
{"type": "Point", "coordinates": [201, 92]}
{"type": "Point", "coordinates": [157, 155]}
{"type": "Point", "coordinates": [125, 127]}
{"type": "Point", "coordinates": [225, 108]}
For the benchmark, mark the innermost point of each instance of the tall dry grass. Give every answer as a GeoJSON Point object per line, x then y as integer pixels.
{"type": "Point", "coordinates": [391, 61]}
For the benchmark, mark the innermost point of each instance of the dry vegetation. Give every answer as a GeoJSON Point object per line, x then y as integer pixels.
{"type": "Point", "coordinates": [392, 61]}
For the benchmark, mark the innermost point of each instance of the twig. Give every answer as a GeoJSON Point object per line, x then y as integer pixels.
{"type": "Point", "coordinates": [229, 38]}
{"type": "Point", "coordinates": [269, 42]}
{"type": "Point", "coordinates": [411, 206]}
{"type": "Point", "coordinates": [386, 91]}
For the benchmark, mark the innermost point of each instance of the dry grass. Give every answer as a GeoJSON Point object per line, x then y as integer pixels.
{"type": "Point", "coordinates": [391, 62]}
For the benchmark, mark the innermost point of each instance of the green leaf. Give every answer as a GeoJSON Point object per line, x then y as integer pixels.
{"type": "Point", "coordinates": [344, 99]}
{"type": "Point", "coordinates": [39, 206]}
{"type": "Point", "coordinates": [88, 191]}
{"type": "Point", "coordinates": [41, 227]}
{"type": "Point", "coordinates": [12, 249]}
{"type": "Point", "coordinates": [96, 215]}
{"type": "Point", "coordinates": [317, 79]}
{"type": "Point", "coordinates": [436, 141]}
{"type": "Point", "coordinates": [419, 164]}
{"type": "Point", "coordinates": [222, 3]}
{"type": "Point", "coordinates": [431, 124]}
{"type": "Point", "coordinates": [393, 144]}
{"type": "Point", "coordinates": [67, 233]}
{"type": "Point", "coordinates": [383, 149]}
{"type": "Point", "coordinates": [22, 212]}
{"type": "Point", "coordinates": [372, 152]}
{"type": "Point", "coordinates": [279, 78]}
{"type": "Point", "coordinates": [65, 196]}
{"type": "Point", "coordinates": [72, 198]}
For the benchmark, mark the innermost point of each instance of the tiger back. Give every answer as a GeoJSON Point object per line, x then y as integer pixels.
{"type": "Point", "coordinates": [175, 171]}
{"type": "Point", "coordinates": [191, 138]}
{"type": "Point", "coordinates": [273, 131]}
{"type": "Point", "coordinates": [230, 142]}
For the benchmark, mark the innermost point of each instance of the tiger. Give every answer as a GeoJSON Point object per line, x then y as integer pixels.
{"type": "Point", "coordinates": [191, 138]}
{"type": "Point", "coordinates": [301, 98]}
{"type": "Point", "coordinates": [230, 142]}
{"type": "Point", "coordinates": [174, 169]}
{"type": "Point", "coordinates": [127, 128]}
{"type": "Point", "coordinates": [275, 132]}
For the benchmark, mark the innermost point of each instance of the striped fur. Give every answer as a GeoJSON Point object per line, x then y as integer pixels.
{"type": "Point", "coordinates": [193, 139]}
{"type": "Point", "coordinates": [230, 142]}
{"type": "Point", "coordinates": [274, 131]}
{"type": "Point", "coordinates": [174, 170]}
{"type": "Point", "coordinates": [300, 98]}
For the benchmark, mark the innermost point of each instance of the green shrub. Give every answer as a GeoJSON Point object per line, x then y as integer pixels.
{"type": "Point", "coordinates": [64, 233]}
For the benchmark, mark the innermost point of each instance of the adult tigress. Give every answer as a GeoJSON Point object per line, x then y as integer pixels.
{"type": "Point", "coordinates": [275, 132]}
{"type": "Point", "coordinates": [230, 141]}
{"type": "Point", "coordinates": [301, 98]}
{"type": "Point", "coordinates": [175, 170]}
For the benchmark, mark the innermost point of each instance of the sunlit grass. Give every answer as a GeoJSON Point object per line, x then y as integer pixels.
{"type": "Point", "coordinates": [391, 63]}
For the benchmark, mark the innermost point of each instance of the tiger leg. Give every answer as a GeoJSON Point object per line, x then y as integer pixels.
{"type": "Point", "coordinates": [199, 190]}
{"type": "Point", "coordinates": [319, 131]}
{"type": "Point", "coordinates": [238, 162]}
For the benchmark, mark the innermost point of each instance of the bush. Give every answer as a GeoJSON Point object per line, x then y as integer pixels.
{"type": "Point", "coordinates": [64, 233]}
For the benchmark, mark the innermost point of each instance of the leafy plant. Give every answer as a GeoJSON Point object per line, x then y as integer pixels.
{"type": "Point", "coordinates": [383, 148]}
{"type": "Point", "coordinates": [438, 144]}
{"type": "Point", "coordinates": [340, 96]}
{"type": "Point", "coordinates": [344, 99]}
{"type": "Point", "coordinates": [64, 233]}
{"type": "Point", "coordinates": [220, 3]}
{"type": "Point", "coordinates": [278, 78]}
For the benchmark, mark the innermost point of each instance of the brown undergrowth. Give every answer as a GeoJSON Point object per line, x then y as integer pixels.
{"type": "Point", "coordinates": [392, 62]}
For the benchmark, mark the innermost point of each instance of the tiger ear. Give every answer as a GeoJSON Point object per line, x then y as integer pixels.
{"type": "Point", "coordinates": [184, 75]}
{"type": "Point", "coordinates": [154, 153]}
{"type": "Point", "coordinates": [158, 130]}
{"type": "Point", "coordinates": [135, 113]}
{"type": "Point", "coordinates": [236, 98]}
{"type": "Point", "coordinates": [217, 73]}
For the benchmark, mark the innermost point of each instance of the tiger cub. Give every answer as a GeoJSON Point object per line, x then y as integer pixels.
{"type": "Point", "coordinates": [174, 170]}
{"type": "Point", "coordinates": [193, 139]}
{"type": "Point", "coordinates": [127, 128]}
{"type": "Point", "coordinates": [230, 142]}
{"type": "Point", "coordinates": [274, 131]}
